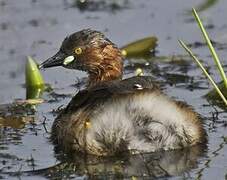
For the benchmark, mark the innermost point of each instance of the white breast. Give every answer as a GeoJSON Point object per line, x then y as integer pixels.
{"type": "Point", "coordinates": [144, 122]}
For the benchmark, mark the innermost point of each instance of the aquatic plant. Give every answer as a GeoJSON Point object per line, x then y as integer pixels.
{"type": "Point", "coordinates": [214, 55]}
{"type": "Point", "coordinates": [33, 80]}
{"type": "Point", "coordinates": [206, 4]}
{"type": "Point", "coordinates": [32, 74]}
{"type": "Point", "coordinates": [139, 47]}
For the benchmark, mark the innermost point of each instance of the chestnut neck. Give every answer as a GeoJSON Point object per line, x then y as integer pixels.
{"type": "Point", "coordinates": [104, 76]}
{"type": "Point", "coordinates": [108, 67]}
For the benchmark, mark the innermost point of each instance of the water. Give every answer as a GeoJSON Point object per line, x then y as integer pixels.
{"type": "Point", "coordinates": [36, 28]}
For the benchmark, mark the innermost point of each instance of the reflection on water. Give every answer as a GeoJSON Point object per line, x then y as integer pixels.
{"type": "Point", "coordinates": [172, 71]}
{"type": "Point", "coordinates": [162, 164]}
{"type": "Point", "coordinates": [151, 165]}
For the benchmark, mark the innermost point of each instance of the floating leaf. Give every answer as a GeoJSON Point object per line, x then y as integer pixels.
{"type": "Point", "coordinates": [32, 74]}
{"type": "Point", "coordinates": [15, 122]}
{"type": "Point", "coordinates": [214, 97]}
{"type": "Point", "coordinates": [29, 101]}
{"type": "Point", "coordinates": [213, 93]}
{"type": "Point", "coordinates": [139, 47]}
{"type": "Point", "coordinates": [206, 4]}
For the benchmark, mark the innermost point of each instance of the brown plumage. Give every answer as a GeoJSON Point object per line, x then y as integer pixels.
{"type": "Point", "coordinates": [113, 115]}
{"type": "Point", "coordinates": [106, 63]}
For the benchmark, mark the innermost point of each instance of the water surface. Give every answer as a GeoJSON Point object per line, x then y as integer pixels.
{"type": "Point", "coordinates": [37, 28]}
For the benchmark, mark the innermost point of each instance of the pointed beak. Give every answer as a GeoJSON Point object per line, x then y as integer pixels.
{"type": "Point", "coordinates": [56, 60]}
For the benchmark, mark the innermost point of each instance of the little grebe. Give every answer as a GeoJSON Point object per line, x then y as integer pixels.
{"type": "Point", "coordinates": [113, 115]}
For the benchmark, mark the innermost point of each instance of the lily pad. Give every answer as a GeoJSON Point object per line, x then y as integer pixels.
{"type": "Point", "coordinates": [139, 47]}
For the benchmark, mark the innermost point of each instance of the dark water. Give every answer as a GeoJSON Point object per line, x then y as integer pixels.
{"type": "Point", "coordinates": [36, 28]}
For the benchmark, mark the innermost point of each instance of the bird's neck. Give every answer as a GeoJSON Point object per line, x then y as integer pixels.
{"type": "Point", "coordinates": [107, 65]}
{"type": "Point", "coordinates": [104, 75]}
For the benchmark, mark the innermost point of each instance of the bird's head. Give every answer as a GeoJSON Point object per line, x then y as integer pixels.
{"type": "Point", "coordinates": [89, 51]}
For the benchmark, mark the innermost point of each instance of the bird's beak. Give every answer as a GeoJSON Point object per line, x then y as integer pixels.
{"type": "Point", "coordinates": [56, 60]}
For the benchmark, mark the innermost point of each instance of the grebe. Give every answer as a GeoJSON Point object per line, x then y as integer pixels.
{"type": "Point", "coordinates": [111, 115]}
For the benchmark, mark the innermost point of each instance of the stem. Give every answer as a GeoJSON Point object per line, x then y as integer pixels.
{"type": "Point", "coordinates": [204, 70]}
{"type": "Point", "coordinates": [211, 48]}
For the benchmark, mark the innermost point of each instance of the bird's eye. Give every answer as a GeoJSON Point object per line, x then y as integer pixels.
{"type": "Point", "coordinates": [78, 51]}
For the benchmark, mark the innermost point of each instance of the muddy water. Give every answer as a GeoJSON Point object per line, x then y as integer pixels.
{"type": "Point", "coordinates": [36, 28]}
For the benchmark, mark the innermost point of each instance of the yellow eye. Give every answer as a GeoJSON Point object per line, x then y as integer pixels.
{"type": "Point", "coordinates": [78, 50]}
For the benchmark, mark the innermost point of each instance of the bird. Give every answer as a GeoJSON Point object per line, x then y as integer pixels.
{"type": "Point", "coordinates": [112, 115]}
